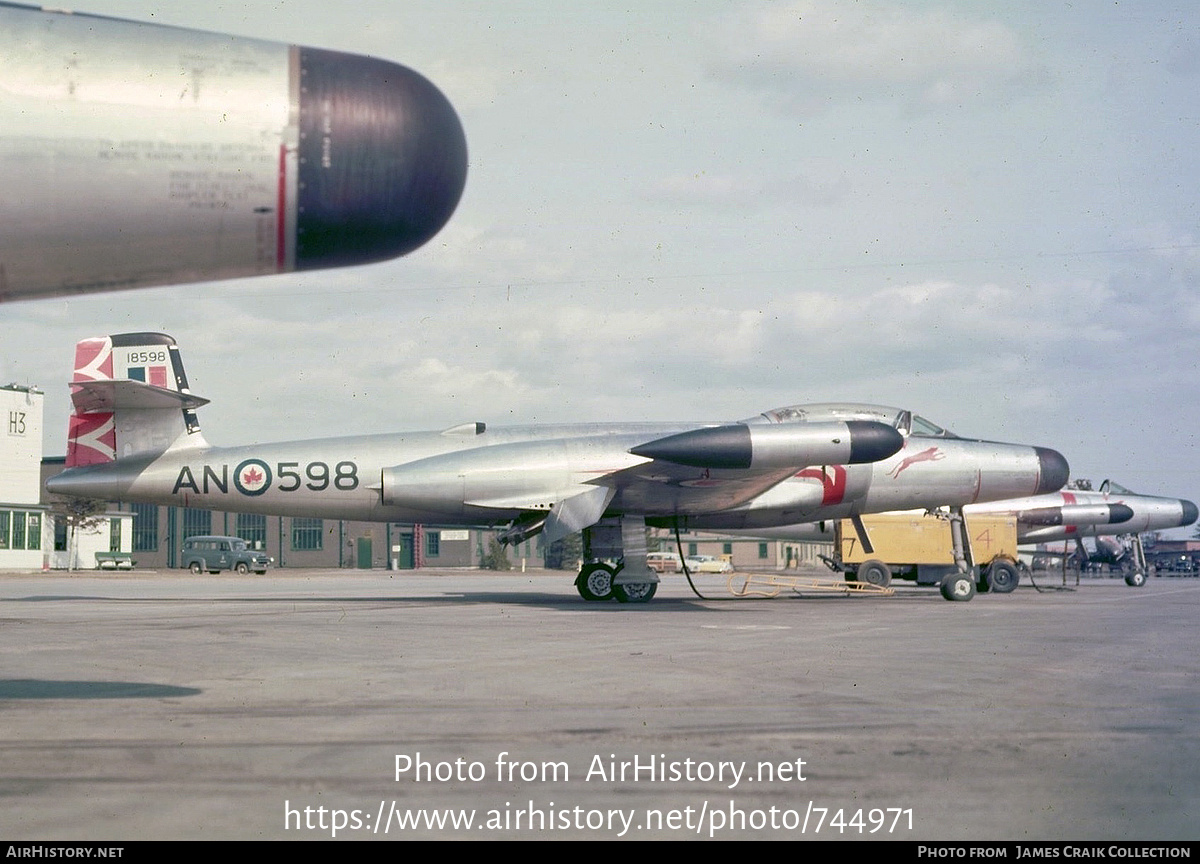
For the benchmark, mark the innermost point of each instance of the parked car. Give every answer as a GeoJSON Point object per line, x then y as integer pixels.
{"type": "Point", "coordinates": [663, 562]}
{"type": "Point", "coordinates": [215, 553]}
{"type": "Point", "coordinates": [708, 564]}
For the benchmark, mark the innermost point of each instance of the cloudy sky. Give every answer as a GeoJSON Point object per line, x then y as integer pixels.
{"type": "Point", "coordinates": [985, 212]}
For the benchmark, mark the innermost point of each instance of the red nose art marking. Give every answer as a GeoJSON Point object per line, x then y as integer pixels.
{"type": "Point", "coordinates": [933, 454]}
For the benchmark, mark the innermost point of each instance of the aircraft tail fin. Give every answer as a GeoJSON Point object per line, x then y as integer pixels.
{"type": "Point", "coordinates": [131, 397]}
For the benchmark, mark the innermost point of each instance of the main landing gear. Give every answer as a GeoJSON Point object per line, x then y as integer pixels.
{"type": "Point", "coordinates": [595, 581]}
{"type": "Point", "coordinates": [629, 581]}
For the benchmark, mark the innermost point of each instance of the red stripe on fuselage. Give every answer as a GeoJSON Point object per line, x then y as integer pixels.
{"type": "Point", "coordinates": [1068, 498]}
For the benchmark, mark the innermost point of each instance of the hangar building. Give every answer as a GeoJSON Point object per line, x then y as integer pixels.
{"type": "Point", "coordinates": [22, 515]}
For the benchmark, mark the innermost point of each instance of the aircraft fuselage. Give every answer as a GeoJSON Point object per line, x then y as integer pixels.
{"type": "Point", "coordinates": [371, 477]}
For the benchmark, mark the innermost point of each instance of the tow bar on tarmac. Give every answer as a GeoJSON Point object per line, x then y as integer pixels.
{"type": "Point", "coordinates": [772, 585]}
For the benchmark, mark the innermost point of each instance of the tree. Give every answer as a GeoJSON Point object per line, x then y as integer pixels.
{"type": "Point", "coordinates": [565, 554]}
{"type": "Point", "coordinates": [497, 557]}
{"type": "Point", "coordinates": [78, 514]}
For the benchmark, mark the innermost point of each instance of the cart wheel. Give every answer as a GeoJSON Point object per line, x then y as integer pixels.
{"type": "Point", "coordinates": [958, 587]}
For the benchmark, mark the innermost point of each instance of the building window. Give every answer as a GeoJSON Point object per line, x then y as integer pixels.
{"type": "Point", "coordinates": [196, 522]}
{"type": "Point", "coordinates": [145, 527]}
{"type": "Point", "coordinates": [114, 535]}
{"type": "Point", "coordinates": [307, 534]}
{"type": "Point", "coordinates": [727, 549]}
{"type": "Point", "coordinates": [762, 550]}
{"type": "Point", "coordinates": [20, 530]}
{"type": "Point", "coordinates": [691, 550]}
{"type": "Point", "coordinates": [433, 544]}
{"type": "Point", "coordinates": [60, 534]}
{"type": "Point", "coordinates": [252, 527]}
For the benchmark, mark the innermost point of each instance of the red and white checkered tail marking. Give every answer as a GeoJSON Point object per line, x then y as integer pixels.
{"type": "Point", "coordinates": [91, 438]}
{"type": "Point", "coordinates": [93, 360]}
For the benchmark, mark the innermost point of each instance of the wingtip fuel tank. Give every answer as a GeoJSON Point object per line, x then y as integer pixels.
{"type": "Point", "coordinates": [742, 446]}
{"type": "Point", "coordinates": [136, 155]}
{"type": "Point", "coordinates": [1053, 470]}
{"type": "Point", "coordinates": [394, 173]}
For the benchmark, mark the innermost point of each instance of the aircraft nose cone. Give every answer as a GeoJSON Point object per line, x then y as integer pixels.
{"type": "Point", "coordinates": [383, 160]}
{"type": "Point", "coordinates": [1190, 513]}
{"type": "Point", "coordinates": [1053, 470]}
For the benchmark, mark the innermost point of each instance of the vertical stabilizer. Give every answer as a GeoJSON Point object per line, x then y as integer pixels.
{"type": "Point", "coordinates": [131, 397]}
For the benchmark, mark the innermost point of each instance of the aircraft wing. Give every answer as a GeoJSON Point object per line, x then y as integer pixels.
{"type": "Point", "coordinates": [573, 482]}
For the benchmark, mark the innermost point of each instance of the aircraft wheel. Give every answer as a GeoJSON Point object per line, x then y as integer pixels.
{"type": "Point", "coordinates": [874, 572]}
{"type": "Point", "coordinates": [639, 592]}
{"type": "Point", "coordinates": [1136, 579]}
{"type": "Point", "coordinates": [1002, 576]}
{"type": "Point", "coordinates": [196, 568]}
{"type": "Point", "coordinates": [242, 569]}
{"type": "Point", "coordinates": [958, 587]}
{"type": "Point", "coordinates": [595, 582]}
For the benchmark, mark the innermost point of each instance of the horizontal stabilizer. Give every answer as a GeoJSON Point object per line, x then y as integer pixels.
{"type": "Point", "coordinates": [91, 397]}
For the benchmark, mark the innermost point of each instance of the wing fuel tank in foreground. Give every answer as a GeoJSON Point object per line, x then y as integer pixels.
{"type": "Point", "coordinates": [135, 155]}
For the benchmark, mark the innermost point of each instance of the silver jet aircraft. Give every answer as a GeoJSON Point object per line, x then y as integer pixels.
{"type": "Point", "coordinates": [1075, 512]}
{"type": "Point", "coordinates": [134, 437]}
{"type": "Point", "coordinates": [1070, 514]}
{"type": "Point", "coordinates": [1079, 511]}
{"type": "Point", "coordinates": [135, 154]}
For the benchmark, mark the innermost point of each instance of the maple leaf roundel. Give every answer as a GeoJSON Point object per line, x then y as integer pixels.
{"type": "Point", "coordinates": [252, 477]}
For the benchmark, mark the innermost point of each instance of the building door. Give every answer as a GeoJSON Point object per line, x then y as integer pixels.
{"type": "Point", "coordinates": [407, 559]}
{"type": "Point", "coordinates": [364, 553]}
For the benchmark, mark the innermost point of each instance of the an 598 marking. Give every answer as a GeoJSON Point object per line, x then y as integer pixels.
{"type": "Point", "coordinates": [253, 477]}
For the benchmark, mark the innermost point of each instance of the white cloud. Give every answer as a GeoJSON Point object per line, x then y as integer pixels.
{"type": "Point", "coordinates": [811, 53]}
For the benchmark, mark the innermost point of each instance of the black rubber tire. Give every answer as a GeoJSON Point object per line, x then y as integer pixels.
{"type": "Point", "coordinates": [1002, 576]}
{"type": "Point", "coordinates": [874, 572]}
{"type": "Point", "coordinates": [958, 587]}
{"type": "Point", "coordinates": [594, 582]}
{"type": "Point", "coordinates": [639, 592]}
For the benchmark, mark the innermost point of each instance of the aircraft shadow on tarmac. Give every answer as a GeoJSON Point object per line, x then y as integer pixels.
{"type": "Point", "coordinates": [38, 688]}
{"type": "Point", "coordinates": [497, 597]}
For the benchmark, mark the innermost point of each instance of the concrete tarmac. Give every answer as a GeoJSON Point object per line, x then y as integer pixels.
{"type": "Point", "coordinates": [166, 706]}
